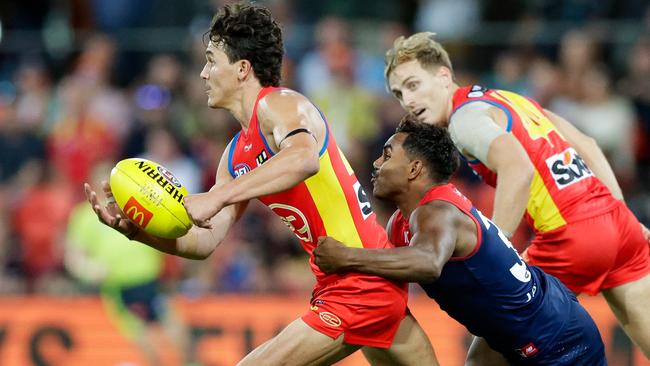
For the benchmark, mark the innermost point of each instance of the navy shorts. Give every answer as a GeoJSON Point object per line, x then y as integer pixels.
{"type": "Point", "coordinates": [579, 345]}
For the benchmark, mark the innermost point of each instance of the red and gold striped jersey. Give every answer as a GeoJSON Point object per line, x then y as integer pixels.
{"type": "Point", "coordinates": [330, 203]}
{"type": "Point", "coordinates": [563, 189]}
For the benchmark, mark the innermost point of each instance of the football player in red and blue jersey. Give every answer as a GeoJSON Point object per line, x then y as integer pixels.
{"type": "Point", "coordinates": [544, 169]}
{"type": "Point", "coordinates": [463, 260]}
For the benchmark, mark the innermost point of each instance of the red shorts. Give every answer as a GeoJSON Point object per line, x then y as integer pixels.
{"type": "Point", "coordinates": [593, 254]}
{"type": "Point", "coordinates": [367, 310]}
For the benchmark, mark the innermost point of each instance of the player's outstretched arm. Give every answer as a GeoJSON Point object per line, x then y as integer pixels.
{"type": "Point", "coordinates": [295, 130]}
{"type": "Point", "coordinates": [433, 243]}
{"type": "Point", "coordinates": [589, 150]}
{"type": "Point", "coordinates": [198, 243]}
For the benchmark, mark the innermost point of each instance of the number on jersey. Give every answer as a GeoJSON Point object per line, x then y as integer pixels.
{"type": "Point", "coordinates": [519, 270]}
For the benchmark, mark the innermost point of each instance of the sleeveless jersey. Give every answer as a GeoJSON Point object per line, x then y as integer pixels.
{"type": "Point", "coordinates": [563, 189]}
{"type": "Point", "coordinates": [332, 202]}
{"type": "Point", "coordinates": [491, 291]}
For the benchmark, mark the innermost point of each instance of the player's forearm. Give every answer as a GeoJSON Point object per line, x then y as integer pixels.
{"type": "Point", "coordinates": [285, 170]}
{"type": "Point", "coordinates": [189, 246]}
{"type": "Point", "coordinates": [406, 264]}
{"type": "Point", "coordinates": [591, 153]}
{"type": "Point", "coordinates": [198, 243]}
{"type": "Point", "coordinates": [511, 197]}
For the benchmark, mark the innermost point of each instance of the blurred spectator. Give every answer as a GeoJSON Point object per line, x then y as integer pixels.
{"type": "Point", "coordinates": [93, 71]}
{"type": "Point", "coordinates": [39, 220]}
{"type": "Point", "coordinates": [160, 100]}
{"type": "Point", "coordinates": [543, 80]}
{"type": "Point", "coordinates": [636, 86]}
{"type": "Point", "coordinates": [350, 110]}
{"type": "Point", "coordinates": [508, 73]}
{"type": "Point", "coordinates": [333, 37]}
{"type": "Point", "coordinates": [79, 140]}
{"type": "Point", "coordinates": [18, 144]}
{"type": "Point", "coordinates": [578, 52]}
{"type": "Point", "coordinates": [241, 273]}
{"type": "Point", "coordinates": [606, 117]}
{"type": "Point", "coordinates": [127, 274]}
{"type": "Point", "coordinates": [93, 117]}
{"type": "Point", "coordinates": [34, 96]}
{"type": "Point", "coordinates": [161, 146]}
{"type": "Point", "coordinates": [449, 19]}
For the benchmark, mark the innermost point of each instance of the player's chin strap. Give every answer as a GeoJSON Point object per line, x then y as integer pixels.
{"type": "Point", "coordinates": [295, 132]}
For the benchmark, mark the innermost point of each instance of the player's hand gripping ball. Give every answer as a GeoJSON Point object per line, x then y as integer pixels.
{"type": "Point", "coordinates": [151, 197]}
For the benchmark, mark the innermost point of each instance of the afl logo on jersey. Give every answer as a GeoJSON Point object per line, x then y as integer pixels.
{"type": "Point", "coordinates": [241, 169]}
{"type": "Point", "coordinates": [477, 91]}
{"type": "Point", "coordinates": [169, 176]}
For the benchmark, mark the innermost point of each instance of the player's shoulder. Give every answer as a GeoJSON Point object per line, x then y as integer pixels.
{"type": "Point", "coordinates": [282, 97]}
{"type": "Point", "coordinates": [282, 104]}
{"type": "Point", "coordinates": [472, 109]}
{"type": "Point", "coordinates": [284, 107]}
{"type": "Point", "coordinates": [433, 211]}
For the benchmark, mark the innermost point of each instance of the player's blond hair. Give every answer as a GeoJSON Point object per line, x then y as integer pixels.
{"type": "Point", "coordinates": [420, 46]}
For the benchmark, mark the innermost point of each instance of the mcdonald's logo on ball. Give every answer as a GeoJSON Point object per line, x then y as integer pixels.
{"type": "Point", "coordinates": [138, 214]}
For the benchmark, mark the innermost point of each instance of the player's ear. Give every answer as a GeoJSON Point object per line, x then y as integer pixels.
{"type": "Point", "coordinates": [415, 169]}
{"type": "Point", "coordinates": [445, 75]}
{"type": "Point", "coordinates": [244, 68]}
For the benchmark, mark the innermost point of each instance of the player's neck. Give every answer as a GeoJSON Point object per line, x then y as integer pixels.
{"type": "Point", "coordinates": [244, 104]}
{"type": "Point", "coordinates": [450, 105]}
{"type": "Point", "coordinates": [409, 200]}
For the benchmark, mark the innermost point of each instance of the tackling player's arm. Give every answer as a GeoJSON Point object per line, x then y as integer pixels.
{"type": "Point", "coordinates": [588, 149]}
{"type": "Point", "coordinates": [478, 129]}
{"type": "Point", "coordinates": [198, 243]}
{"type": "Point", "coordinates": [434, 229]}
{"type": "Point", "coordinates": [294, 128]}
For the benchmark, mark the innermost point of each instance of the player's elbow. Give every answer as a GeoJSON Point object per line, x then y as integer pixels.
{"type": "Point", "coordinates": [430, 274]}
{"type": "Point", "coordinates": [192, 247]}
{"type": "Point", "coordinates": [430, 269]}
{"type": "Point", "coordinates": [198, 256]}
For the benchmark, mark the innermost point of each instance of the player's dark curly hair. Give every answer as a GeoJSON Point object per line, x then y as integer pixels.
{"type": "Point", "coordinates": [249, 32]}
{"type": "Point", "coordinates": [432, 144]}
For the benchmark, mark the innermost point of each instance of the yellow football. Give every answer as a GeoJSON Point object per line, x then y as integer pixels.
{"type": "Point", "coordinates": [151, 197]}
